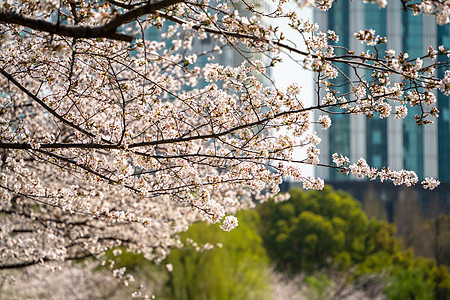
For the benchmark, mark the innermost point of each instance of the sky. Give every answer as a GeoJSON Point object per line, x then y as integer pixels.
{"type": "Point", "coordinates": [288, 72]}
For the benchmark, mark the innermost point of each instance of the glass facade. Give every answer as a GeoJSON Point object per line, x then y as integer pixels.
{"type": "Point", "coordinates": [339, 133]}
{"type": "Point", "coordinates": [376, 133]}
{"type": "Point", "coordinates": [376, 128]}
{"type": "Point", "coordinates": [409, 38]}
{"type": "Point", "coordinates": [444, 116]}
{"type": "Point", "coordinates": [413, 158]}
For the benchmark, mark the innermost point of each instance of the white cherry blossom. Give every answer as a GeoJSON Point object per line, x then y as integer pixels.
{"type": "Point", "coordinates": [110, 138]}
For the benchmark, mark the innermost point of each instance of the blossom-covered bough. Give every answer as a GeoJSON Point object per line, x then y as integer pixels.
{"type": "Point", "coordinates": [111, 139]}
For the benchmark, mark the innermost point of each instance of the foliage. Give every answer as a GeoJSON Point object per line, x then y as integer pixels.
{"type": "Point", "coordinates": [409, 284]}
{"type": "Point", "coordinates": [212, 264]}
{"type": "Point", "coordinates": [324, 228]}
{"type": "Point", "coordinates": [317, 287]}
{"type": "Point", "coordinates": [236, 270]}
{"type": "Point", "coordinates": [417, 275]}
{"type": "Point", "coordinates": [133, 262]}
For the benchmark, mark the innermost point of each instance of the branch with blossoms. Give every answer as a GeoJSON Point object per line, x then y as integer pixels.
{"type": "Point", "coordinates": [439, 8]}
{"type": "Point", "coordinates": [132, 11]}
{"type": "Point", "coordinates": [361, 169]}
{"type": "Point", "coordinates": [109, 139]}
{"type": "Point", "coordinates": [106, 30]}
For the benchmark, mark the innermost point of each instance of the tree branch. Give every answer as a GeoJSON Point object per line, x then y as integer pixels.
{"type": "Point", "coordinates": [41, 103]}
{"type": "Point", "coordinates": [108, 30]}
{"type": "Point", "coordinates": [77, 31]}
{"type": "Point", "coordinates": [28, 146]}
{"type": "Point", "coordinates": [137, 12]}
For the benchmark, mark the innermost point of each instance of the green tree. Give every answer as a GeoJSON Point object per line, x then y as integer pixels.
{"type": "Point", "coordinates": [238, 270]}
{"type": "Point", "coordinates": [325, 228]}
{"type": "Point", "coordinates": [409, 284]}
{"type": "Point", "coordinates": [317, 287]}
{"type": "Point", "coordinates": [411, 275]}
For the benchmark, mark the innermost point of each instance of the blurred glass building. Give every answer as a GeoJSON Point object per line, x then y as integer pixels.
{"type": "Point", "coordinates": [399, 144]}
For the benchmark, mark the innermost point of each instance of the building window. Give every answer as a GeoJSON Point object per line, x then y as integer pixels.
{"type": "Point", "coordinates": [376, 161]}
{"type": "Point", "coordinates": [376, 137]}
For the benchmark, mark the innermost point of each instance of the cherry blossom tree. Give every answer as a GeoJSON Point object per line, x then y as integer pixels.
{"type": "Point", "coordinates": [111, 139]}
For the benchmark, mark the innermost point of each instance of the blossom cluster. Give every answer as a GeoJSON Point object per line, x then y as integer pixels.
{"type": "Point", "coordinates": [362, 169]}
{"type": "Point", "coordinates": [441, 9]}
